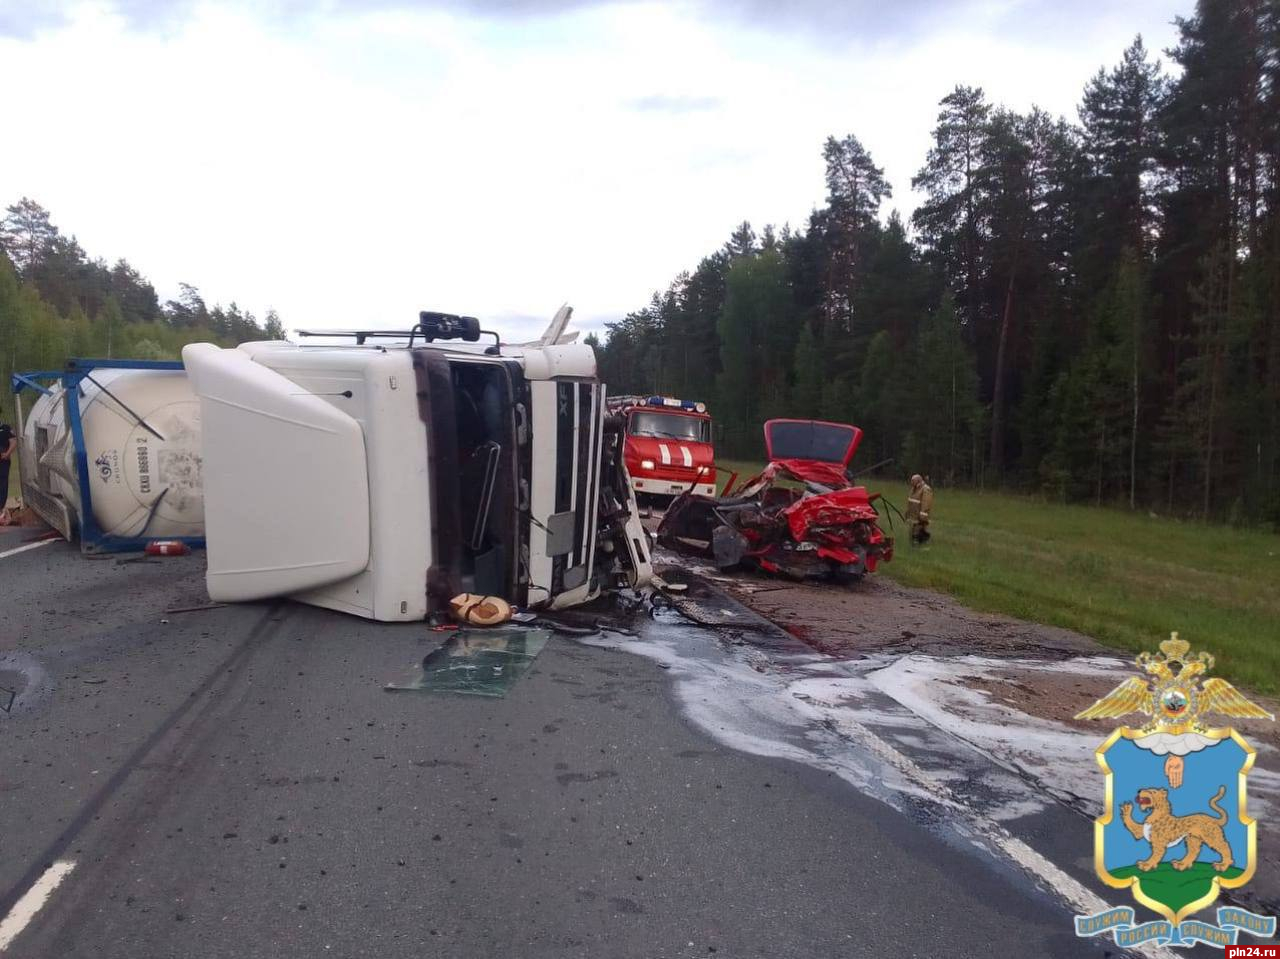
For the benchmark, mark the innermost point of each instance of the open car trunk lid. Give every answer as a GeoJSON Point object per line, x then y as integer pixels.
{"type": "Point", "coordinates": [286, 490]}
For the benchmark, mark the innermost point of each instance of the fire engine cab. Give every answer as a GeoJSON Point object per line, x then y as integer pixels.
{"type": "Point", "coordinates": [667, 447]}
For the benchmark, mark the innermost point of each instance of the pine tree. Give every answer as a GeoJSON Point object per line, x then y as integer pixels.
{"type": "Point", "coordinates": [742, 242]}
{"type": "Point", "coordinates": [757, 341]}
{"type": "Point", "coordinates": [736, 386]}
{"type": "Point", "coordinates": [855, 189]}
{"type": "Point", "coordinates": [1121, 139]}
{"type": "Point", "coordinates": [1199, 399]}
{"type": "Point", "coordinates": [273, 329]}
{"type": "Point", "coordinates": [807, 377]}
{"type": "Point", "coordinates": [948, 221]}
{"type": "Point", "coordinates": [110, 319]}
{"type": "Point", "coordinates": [942, 400]}
{"type": "Point", "coordinates": [12, 332]}
{"type": "Point", "coordinates": [27, 234]}
{"type": "Point", "coordinates": [878, 406]}
{"type": "Point", "coordinates": [1129, 305]}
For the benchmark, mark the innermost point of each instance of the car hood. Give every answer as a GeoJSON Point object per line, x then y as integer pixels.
{"type": "Point", "coordinates": [811, 441]}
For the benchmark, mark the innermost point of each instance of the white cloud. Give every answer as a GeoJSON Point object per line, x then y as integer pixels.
{"type": "Point", "coordinates": [353, 168]}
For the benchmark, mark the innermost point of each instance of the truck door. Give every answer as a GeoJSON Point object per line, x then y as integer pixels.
{"type": "Point", "coordinates": [565, 481]}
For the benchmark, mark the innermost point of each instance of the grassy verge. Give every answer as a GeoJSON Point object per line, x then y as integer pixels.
{"type": "Point", "coordinates": [1125, 579]}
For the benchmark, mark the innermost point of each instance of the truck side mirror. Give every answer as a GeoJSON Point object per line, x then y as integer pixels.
{"type": "Point", "coordinates": [446, 326]}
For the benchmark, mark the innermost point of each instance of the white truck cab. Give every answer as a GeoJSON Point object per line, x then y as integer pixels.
{"type": "Point", "coordinates": [384, 479]}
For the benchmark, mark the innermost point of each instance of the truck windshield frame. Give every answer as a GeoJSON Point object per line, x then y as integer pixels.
{"type": "Point", "coordinates": [669, 426]}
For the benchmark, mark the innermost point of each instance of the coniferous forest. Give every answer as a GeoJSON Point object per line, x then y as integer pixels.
{"type": "Point", "coordinates": [1088, 309]}
{"type": "Point", "coordinates": [58, 302]}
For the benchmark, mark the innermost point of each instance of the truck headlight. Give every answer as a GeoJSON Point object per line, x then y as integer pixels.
{"type": "Point", "coordinates": [646, 464]}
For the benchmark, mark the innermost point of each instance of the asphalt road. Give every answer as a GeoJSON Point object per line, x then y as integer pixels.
{"type": "Point", "coordinates": [236, 782]}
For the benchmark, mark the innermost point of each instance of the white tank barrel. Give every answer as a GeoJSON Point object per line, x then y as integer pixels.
{"type": "Point", "coordinates": [142, 444]}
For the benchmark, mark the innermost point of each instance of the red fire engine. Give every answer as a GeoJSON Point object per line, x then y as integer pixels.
{"type": "Point", "coordinates": [668, 447]}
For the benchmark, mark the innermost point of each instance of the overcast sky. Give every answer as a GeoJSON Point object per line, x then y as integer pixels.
{"type": "Point", "coordinates": [349, 162]}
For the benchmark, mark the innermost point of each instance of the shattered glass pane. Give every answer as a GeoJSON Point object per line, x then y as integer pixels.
{"type": "Point", "coordinates": [477, 662]}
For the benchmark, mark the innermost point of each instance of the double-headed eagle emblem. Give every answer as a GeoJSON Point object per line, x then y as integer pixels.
{"type": "Point", "coordinates": [1174, 697]}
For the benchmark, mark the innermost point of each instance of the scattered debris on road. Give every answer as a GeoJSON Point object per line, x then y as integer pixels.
{"type": "Point", "coordinates": [167, 547]}
{"type": "Point", "coordinates": [668, 587]}
{"type": "Point", "coordinates": [480, 610]}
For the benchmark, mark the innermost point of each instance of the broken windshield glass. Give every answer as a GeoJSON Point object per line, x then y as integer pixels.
{"type": "Point", "coordinates": [477, 663]}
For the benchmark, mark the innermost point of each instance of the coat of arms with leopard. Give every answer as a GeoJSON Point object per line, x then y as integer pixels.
{"type": "Point", "coordinates": [1164, 830]}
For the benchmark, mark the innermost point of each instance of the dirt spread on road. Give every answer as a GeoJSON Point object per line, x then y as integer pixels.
{"type": "Point", "coordinates": [879, 616]}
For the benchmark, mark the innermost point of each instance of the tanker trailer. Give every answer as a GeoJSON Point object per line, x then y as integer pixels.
{"type": "Point", "coordinates": [110, 451]}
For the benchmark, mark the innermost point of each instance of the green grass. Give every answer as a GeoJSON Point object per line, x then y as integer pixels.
{"type": "Point", "coordinates": [1126, 579]}
{"type": "Point", "coordinates": [1173, 888]}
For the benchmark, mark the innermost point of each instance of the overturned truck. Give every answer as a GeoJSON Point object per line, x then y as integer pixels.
{"type": "Point", "coordinates": [801, 517]}
{"type": "Point", "coordinates": [381, 475]}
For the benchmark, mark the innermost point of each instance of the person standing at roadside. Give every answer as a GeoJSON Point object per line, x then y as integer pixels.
{"type": "Point", "coordinates": [919, 505]}
{"type": "Point", "coordinates": [8, 446]}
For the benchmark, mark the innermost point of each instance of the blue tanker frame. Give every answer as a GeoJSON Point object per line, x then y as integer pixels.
{"type": "Point", "coordinates": [92, 537]}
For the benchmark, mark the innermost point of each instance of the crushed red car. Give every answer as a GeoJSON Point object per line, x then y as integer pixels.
{"type": "Point", "coordinates": [827, 527]}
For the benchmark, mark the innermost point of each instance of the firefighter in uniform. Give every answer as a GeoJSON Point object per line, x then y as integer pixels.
{"type": "Point", "coordinates": [919, 503]}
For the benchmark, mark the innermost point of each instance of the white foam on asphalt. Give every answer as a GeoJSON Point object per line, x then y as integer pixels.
{"type": "Point", "coordinates": [816, 711]}
{"type": "Point", "coordinates": [32, 901]}
{"type": "Point", "coordinates": [1056, 755]}
{"type": "Point", "coordinates": [22, 549]}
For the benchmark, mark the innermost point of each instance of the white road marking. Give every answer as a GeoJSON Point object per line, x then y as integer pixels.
{"type": "Point", "coordinates": [26, 908]}
{"type": "Point", "coordinates": [22, 549]}
{"type": "Point", "coordinates": [1074, 893]}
